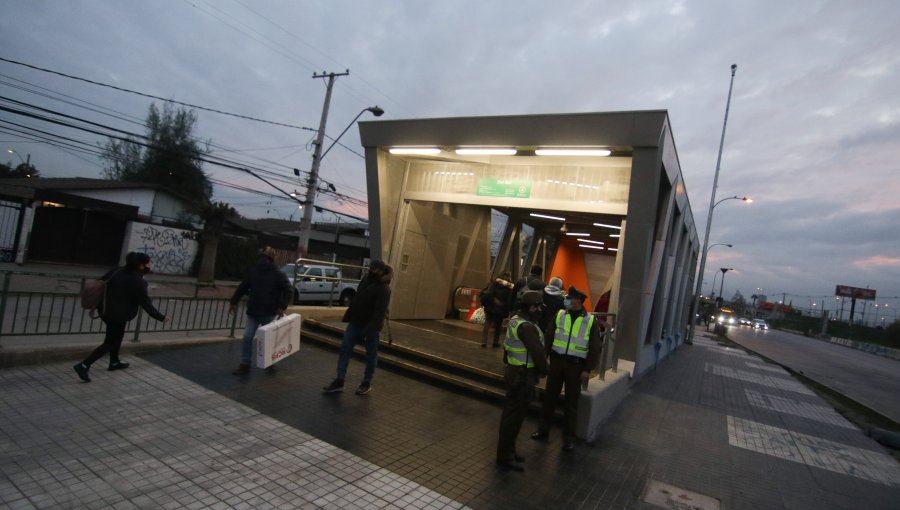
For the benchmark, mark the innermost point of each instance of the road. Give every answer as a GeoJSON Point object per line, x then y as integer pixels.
{"type": "Point", "coordinates": [871, 380]}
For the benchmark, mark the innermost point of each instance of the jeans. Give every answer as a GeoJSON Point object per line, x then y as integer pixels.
{"type": "Point", "coordinates": [253, 323]}
{"type": "Point", "coordinates": [352, 335]}
{"type": "Point", "coordinates": [115, 332]}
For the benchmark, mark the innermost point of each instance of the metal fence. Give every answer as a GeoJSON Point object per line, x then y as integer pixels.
{"type": "Point", "coordinates": [58, 311]}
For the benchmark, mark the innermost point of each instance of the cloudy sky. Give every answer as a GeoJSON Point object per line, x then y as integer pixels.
{"type": "Point", "coordinates": [813, 132]}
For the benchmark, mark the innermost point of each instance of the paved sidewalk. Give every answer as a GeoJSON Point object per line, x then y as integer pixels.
{"type": "Point", "coordinates": [177, 430]}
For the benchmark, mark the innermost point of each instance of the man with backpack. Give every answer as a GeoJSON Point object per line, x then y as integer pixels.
{"type": "Point", "coordinates": [534, 281]}
{"type": "Point", "coordinates": [126, 290]}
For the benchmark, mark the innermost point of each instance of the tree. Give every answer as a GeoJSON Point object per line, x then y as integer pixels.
{"type": "Point", "coordinates": [21, 170]}
{"type": "Point", "coordinates": [168, 155]}
{"type": "Point", "coordinates": [214, 216]}
{"type": "Point", "coordinates": [738, 303]}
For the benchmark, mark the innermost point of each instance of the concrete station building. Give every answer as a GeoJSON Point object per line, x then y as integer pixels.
{"type": "Point", "coordinates": [595, 198]}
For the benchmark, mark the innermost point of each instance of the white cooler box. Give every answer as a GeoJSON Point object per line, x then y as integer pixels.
{"type": "Point", "coordinates": [277, 340]}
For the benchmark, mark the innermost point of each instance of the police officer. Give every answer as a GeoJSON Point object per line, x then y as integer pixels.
{"type": "Point", "coordinates": [526, 362]}
{"type": "Point", "coordinates": [574, 341]}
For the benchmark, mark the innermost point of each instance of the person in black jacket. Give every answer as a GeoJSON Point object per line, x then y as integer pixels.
{"type": "Point", "coordinates": [364, 317]}
{"type": "Point", "coordinates": [126, 290]}
{"type": "Point", "coordinates": [270, 293]}
{"type": "Point", "coordinates": [534, 281]}
{"type": "Point", "coordinates": [554, 301]}
{"type": "Point", "coordinates": [495, 300]}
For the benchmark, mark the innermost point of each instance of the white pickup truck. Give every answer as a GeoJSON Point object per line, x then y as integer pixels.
{"type": "Point", "coordinates": [314, 283]}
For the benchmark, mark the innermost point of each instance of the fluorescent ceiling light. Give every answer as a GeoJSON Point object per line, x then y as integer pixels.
{"type": "Point", "coordinates": [415, 150]}
{"type": "Point", "coordinates": [578, 234]}
{"type": "Point", "coordinates": [498, 151]}
{"type": "Point", "coordinates": [613, 249]}
{"type": "Point", "coordinates": [573, 152]}
{"type": "Point", "coordinates": [590, 241]}
{"type": "Point", "coordinates": [615, 235]}
{"type": "Point", "coordinates": [590, 246]}
{"type": "Point", "coordinates": [536, 215]}
{"type": "Point", "coordinates": [607, 226]}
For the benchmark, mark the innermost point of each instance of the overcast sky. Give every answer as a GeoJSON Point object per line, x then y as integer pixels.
{"type": "Point", "coordinates": [813, 131]}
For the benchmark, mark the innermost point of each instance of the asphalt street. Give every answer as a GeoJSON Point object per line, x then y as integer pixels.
{"type": "Point", "coordinates": [871, 380]}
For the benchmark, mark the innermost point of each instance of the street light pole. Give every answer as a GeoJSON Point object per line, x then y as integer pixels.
{"type": "Point", "coordinates": [26, 161]}
{"type": "Point", "coordinates": [722, 283]}
{"type": "Point", "coordinates": [712, 204]}
{"type": "Point", "coordinates": [712, 287]}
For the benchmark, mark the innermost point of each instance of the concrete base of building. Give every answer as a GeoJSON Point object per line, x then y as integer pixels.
{"type": "Point", "coordinates": [601, 398]}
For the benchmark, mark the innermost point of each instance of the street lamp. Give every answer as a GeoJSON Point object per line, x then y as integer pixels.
{"type": "Point", "coordinates": [313, 184]}
{"type": "Point", "coordinates": [712, 288]}
{"type": "Point", "coordinates": [722, 283]}
{"type": "Point", "coordinates": [27, 162]}
{"type": "Point", "coordinates": [712, 205]}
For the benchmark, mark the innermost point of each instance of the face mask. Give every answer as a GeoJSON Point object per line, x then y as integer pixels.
{"type": "Point", "coordinates": [567, 303]}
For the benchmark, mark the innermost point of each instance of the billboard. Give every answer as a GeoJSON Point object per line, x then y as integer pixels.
{"type": "Point", "coordinates": [854, 292]}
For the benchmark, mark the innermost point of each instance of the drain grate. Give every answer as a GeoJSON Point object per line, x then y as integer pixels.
{"type": "Point", "coordinates": [664, 495]}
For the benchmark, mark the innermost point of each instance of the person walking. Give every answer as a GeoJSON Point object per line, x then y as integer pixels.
{"type": "Point", "coordinates": [526, 362]}
{"type": "Point", "coordinates": [574, 343]}
{"type": "Point", "coordinates": [554, 301]}
{"type": "Point", "coordinates": [495, 300]}
{"type": "Point", "coordinates": [269, 295]}
{"type": "Point", "coordinates": [126, 290]}
{"type": "Point", "coordinates": [365, 318]}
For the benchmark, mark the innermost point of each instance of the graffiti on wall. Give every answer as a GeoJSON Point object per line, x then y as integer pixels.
{"type": "Point", "coordinates": [172, 250]}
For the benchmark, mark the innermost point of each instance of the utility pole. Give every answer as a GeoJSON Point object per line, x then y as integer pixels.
{"type": "Point", "coordinates": [313, 182]}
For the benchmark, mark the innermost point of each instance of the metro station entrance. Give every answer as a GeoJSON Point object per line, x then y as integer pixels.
{"type": "Point", "coordinates": [464, 220]}
{"type": "Point", "coordinates": [597, 199]}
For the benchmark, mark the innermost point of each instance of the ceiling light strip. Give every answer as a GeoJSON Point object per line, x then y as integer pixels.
{"type": "Point", "coordinates": [422, 151]}
{"type": "Point", "coordinates": [573, 152]}
{"type": "Point", "coordinates": [497, 151]}
{"type": "Point", "coordinates": [557, 218]}
{"type": "Point", "coordinates": [607, 226]}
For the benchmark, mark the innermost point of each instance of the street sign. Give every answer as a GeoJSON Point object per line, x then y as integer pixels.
{"type": "Point", "coordinates": [854, 292]}
{"type": "Point", "coordinates": [503, 188]}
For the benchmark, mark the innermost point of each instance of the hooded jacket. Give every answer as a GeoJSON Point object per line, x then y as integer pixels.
{"type": "Point", "coordinates": [126, 290]}
{"type": "Point", "coordinates": [496, 297]}
{"type": "Point", "coordinates": [369, 307]}
{"type": "Point", "coordinates": [554, 298]}
{"type": "Point", "coordinates": [268, 287]}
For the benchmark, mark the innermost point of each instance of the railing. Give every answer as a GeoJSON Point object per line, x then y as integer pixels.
{"type": "Point", "coordinates": [57, 311]}
{"type": "Point", "coordinates": [608, 359]}
{"type": "Point", "coordinates": [335, 282]}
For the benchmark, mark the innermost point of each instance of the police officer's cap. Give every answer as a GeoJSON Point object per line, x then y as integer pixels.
{"type": "Point", "coordinates": [532, 297]}
{"type": "Point", "coordinates": [576, 294]}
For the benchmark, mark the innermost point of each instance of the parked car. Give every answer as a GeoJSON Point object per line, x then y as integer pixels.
{"type": "Point", "coordinates": [315, 283]}
{"type": "Point", "coordinates": [760, 324]}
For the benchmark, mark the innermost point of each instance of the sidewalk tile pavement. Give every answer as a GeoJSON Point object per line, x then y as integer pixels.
{"type": "Point", "coordinates": [177, 430]}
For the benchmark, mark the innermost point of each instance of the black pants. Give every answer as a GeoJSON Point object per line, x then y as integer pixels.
{"type": "Point", "coordinates": [564, 370]}
{"type": "Point", "coordinates": [115, 332]}
{"type": "Point", "coordinates": [519, 392]}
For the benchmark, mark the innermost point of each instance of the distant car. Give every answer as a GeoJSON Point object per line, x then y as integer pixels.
{"type": "Point", "coordinates": [743, 321]}
{"type": "Point", "coordinates": [726, 318]}
{"type": "Point", "coordinates": [760, 324]}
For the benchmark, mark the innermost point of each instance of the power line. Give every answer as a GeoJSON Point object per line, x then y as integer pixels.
{"type": "Point", "coordinates": [121, 89]}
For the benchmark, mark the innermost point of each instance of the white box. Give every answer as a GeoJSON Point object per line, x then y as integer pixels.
{"type": "Point", "coordinates": [277, 340]}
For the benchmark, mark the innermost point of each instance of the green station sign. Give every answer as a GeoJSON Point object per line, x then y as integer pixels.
{"type": "Point", "coordinates": [509, 188]}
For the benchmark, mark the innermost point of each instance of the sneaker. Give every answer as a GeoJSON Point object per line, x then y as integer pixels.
{"type": "Point", "coordinates": [242, 369]}
{"type": "Point", "coordinates": [335, 386]}
{"type": "Point", "coordinates": [364, 387]}
{"type": "Point", "coordinates": [118, 365]}
{"type": "Point", "coordinates": [82, 372]}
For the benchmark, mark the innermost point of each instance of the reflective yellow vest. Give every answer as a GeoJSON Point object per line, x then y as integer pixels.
{"type": "Point", "coordinates": [516, 352]}
{"type": "Point", "coordinates": [572, 339]}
